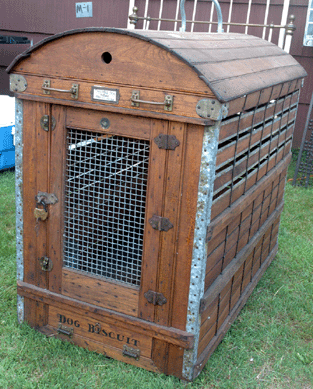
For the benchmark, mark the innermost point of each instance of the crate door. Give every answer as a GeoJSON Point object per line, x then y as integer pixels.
{"type": "Point", "coordinates": [109, 177]}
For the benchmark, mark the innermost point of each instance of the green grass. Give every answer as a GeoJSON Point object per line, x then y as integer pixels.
{"type": "Point", "coordinates": [270, 345]}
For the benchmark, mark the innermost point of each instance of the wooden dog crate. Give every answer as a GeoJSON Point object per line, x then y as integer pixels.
{"type": "Point", "coordinates": [150, 170]}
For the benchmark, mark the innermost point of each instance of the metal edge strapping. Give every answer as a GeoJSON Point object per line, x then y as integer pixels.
{"type": "Point", "coordinates": [19, 201]}
{"type": "Point", "coordinates": [198, 266]}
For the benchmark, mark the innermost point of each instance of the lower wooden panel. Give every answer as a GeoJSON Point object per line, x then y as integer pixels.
{"type": "Point", "coordinates": [99, 331]}
{"type": "Point", "coordinates": [102, 293]}
{"type": "Point", "coordinates": [108, 351]}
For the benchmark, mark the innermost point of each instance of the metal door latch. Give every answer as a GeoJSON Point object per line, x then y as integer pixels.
{"type": "Point", "coordinates": [44, 199]}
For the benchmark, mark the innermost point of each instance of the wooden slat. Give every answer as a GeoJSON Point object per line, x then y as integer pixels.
{"type": "Point", "coordinates": [188, 208]}
{"type": "Point", "coordinates": [42, 171]}
{"type": "Point", "coordinates": [154, 206]}
{"type": "Point", "coordinates": [172, 198]}
{"type": "Point", "coordinates": [222, 54]}
{"type": "Point", "coordinates": [240, 85]}
{"type": "Point", "coordinates": [168, 334]}
{"type": "Point", "coordinates": [56, 186]}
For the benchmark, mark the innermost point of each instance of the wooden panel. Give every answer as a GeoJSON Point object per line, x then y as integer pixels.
{"type": "Point", "coordinates": [134, 62]}
{"type": "Point", "coordinates": [220, 204]}
{"type": "Point", "coordinates": [169, 334]}
{"type": "Point", "coordinates": [184, 104]}
{"type": "Point", "coordinates": [211, 346]}
{"type": "Point", "coordinates": [218, 285]}
{"type": "Point", "coordinates": [224, 218]}
{"type": "Point", "coordinates": [248, 141]}
{"type": "Point", "coordinates": [100, 331]}
{"type": "Point", "coordinates": [100, 292]}
{"type": "Point", "coordinates": [229, 126]}
{"type": "Point", "coordinates": [124, 125]}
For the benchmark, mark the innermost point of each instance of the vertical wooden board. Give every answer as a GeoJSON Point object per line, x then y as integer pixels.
{"type": "Point", "coordinates": [160, 354]}
{"type": "Point", "coordinates": [42, 167]}
{"type": "Point", "coordinates": [188, 208]}
{"type": "Point", "coordinates": [29, 192]}
{"type": "Point", "coordinates": [154, 206]}
{"type": "Point", "coordinates": [56, 211]}
{"type": "Point", "coordinates": [175, 360]}
{"type": "Point", "coordinates": [30, 312]}
{"type": "Point", "coordinates": [167, 258]}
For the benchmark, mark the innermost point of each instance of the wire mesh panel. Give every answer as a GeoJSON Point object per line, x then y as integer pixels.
{"type": "Point", "coordinates": [105, 199]}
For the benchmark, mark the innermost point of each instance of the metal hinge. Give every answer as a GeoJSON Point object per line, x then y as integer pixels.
{"type": "Point", "coordinates": [167, 142]}
{"type": "Point", "coordinates": [131, 352]}
{"type": "Point", "coordinates": [47, 123]}
{"type": "Point", "coordinates": [155, 298]}
{"type": "Point", "coordinates": [212, 109]}
{"type": "Point", "coordinates": [160, 223]}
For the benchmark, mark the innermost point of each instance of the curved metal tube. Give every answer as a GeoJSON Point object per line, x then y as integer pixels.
{"type": "Point", "coordinates": [218, 11]}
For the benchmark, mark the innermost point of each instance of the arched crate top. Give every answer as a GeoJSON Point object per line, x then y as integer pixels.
{"type": "Point", "coordinates": [226, 66]}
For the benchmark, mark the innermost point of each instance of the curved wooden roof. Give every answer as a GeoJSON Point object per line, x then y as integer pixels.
{"type": "Point", "coordinates": [228, 65]}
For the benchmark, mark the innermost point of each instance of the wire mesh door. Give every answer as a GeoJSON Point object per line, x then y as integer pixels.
{"type": "Point", "coordinates": [105, 196]}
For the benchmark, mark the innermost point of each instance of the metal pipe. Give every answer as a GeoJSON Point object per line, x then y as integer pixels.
{"type": "Point", "coordinates": [218, 11]}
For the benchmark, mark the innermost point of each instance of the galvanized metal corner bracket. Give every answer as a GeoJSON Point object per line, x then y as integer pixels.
{"type": "Point", "coordinates": [18, 83]}
{"type": "Point", "coordinates": [212, 109]}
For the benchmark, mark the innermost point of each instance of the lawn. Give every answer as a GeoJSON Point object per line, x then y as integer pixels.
{"type": "Point", "coordinates": [270, 345]}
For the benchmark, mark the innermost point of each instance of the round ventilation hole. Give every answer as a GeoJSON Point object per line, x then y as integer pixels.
{"type": "Point", "coordinates": [106, 57]}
